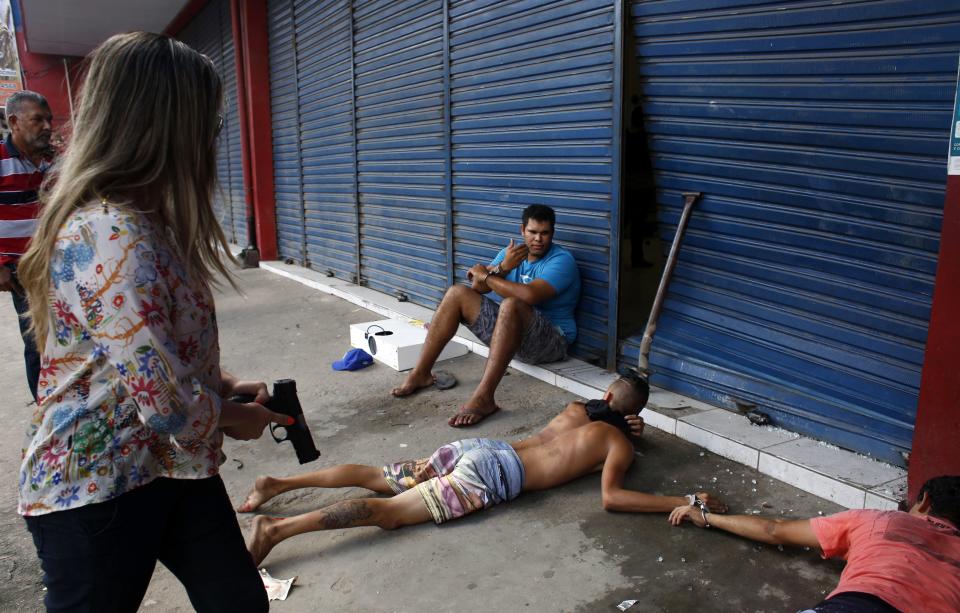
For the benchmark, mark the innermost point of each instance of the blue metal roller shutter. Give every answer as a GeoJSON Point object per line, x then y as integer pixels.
{"type": "Point", "coordinates": [236, 207]}
{"type": "Point", "coordinates": [817, 133]}
{"type": "Point", "coordinates": [324, 68]}
{"type": "Point", "coordinates": [535, 120]}
{"type": "Point", "coordinates": [401, 152]}
{"type": "Point", "coordinates": [285, 120]}
{"type": "Point", "coordinates": [210, 33]}
{"type": "Point", "coordinates": [312, 98]}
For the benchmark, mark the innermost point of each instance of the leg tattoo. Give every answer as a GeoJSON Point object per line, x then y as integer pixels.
{"type": "Point", "coordinates": [346, 514]}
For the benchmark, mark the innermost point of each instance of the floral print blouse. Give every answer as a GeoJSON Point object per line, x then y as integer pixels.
{"type": "Point", "coordinates": [130, 370]}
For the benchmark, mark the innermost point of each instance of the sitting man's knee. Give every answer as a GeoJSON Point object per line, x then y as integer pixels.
{"type": "Point", "coordinates": [514, 305]}
{"type": "Point", "coordinates": [457, 291]}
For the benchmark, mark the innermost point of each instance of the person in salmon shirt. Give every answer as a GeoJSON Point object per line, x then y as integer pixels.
{"type": "Point", "coordinates": [896, 560]}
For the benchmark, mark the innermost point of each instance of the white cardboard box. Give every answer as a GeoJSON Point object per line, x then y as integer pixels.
{"type": "Point", "coordinates": [397, 343]}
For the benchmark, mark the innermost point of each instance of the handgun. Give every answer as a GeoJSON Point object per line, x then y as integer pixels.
{"type": "Point", "coordinates": [284, 400]}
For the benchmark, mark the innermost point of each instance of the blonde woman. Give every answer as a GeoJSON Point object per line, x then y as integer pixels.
{"type": "Point", "coordinates": [121, 467]}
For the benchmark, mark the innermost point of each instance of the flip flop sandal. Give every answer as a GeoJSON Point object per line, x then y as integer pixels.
{"type": "Point", "coordinates": [443, 380]}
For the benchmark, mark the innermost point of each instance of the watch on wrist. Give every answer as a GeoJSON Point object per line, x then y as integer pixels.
{"type": "Point", "coordinates": [497, 270]}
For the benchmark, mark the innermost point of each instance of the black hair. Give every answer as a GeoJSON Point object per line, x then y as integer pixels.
{"type": "Point", "coordinates": [540, 212]}
{"type": "Point", "coordinates": [944, 495]}
{"type": "Point", "coordinates": [630, 404]}
{"type": "Point", "coordinates": [640, 386]}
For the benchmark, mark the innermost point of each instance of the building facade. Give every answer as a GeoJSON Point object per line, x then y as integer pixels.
{"type": "Point", "coordinates": [394, 144]}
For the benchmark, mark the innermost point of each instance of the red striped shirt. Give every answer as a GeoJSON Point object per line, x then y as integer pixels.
{"type": "Point", "coordinates": [19, 207]}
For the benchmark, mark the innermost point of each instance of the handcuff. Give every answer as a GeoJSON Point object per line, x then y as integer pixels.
{"type": "Point", "coordinates": [696, 502]}
{"type": "Point", "coordinates": [495, 271]}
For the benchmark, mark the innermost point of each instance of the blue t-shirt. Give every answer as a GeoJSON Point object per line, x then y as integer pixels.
{"type": "Point", "coordinates": [559, 269]}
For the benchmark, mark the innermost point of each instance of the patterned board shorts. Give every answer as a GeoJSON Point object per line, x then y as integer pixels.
{"type": "Point", "coordinates": [460, 478]}
{"type": "Point", "coordinates": [542, 341]}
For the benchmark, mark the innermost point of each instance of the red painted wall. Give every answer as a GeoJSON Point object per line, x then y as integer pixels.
{"type": "Point", "coordinates": [45, 75]}
{"type": "Point", "coordinates": [254, 40]}
{"type": "Point", "coordinates": [936, 434]}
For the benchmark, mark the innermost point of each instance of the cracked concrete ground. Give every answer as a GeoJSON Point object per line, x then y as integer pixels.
{"type": "Point", "coordinates": [546, 551]}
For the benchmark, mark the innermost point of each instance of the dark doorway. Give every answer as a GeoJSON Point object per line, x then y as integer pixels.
{"type": "Point", "coordinates": [641, 250]}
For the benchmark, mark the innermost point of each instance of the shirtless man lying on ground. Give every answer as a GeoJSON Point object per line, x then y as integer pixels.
{"type": "Point", "coordinates": [474, 474]}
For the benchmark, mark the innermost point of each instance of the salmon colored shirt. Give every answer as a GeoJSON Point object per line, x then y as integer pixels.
{"type": "Point", "coordinates": [911, 562]}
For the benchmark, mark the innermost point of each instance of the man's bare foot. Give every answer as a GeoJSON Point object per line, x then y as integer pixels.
{"type": "Point", "coordinates": [468, 416]}
{"type": "Point", "coordinates": [413, 383]}
{"type": "Point", "coordinates": [264, 488]}
{"type": "Point", "coordinates": [263, 538]}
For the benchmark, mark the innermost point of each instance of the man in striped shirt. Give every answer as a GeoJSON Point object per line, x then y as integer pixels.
{"type": "Point", "coordinates": [24, 159]}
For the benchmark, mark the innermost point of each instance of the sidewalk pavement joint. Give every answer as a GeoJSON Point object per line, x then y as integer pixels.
{"type": "Point", "coordinates": [841, 476]}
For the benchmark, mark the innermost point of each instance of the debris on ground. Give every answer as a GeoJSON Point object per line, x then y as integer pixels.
{"type": "Point", "coordinates": [277, 589]}
{"type": "Point", "coordinates": [626, 604]}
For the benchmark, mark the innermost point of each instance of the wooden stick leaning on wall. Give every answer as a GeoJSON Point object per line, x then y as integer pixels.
{"type": "Point", "coordinates": [689, 199]}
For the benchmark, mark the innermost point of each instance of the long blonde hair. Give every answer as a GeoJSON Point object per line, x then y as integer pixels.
{"type": "Point", "coordinates": [144, 136]}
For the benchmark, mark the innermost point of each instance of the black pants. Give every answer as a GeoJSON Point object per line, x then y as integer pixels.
{"type": "Point", "coordinates": [854, 602]}
{"type": "Point", "coordinates": [100, 558]}
{"type": "Point", "coordinates": [30, 355]}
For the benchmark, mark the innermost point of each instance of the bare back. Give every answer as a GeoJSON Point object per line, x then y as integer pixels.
{"type": "Point", "coordinates": [570, 455]}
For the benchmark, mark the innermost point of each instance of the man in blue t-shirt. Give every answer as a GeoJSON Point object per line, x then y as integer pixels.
{"type": "Point", "coordinates": [539, 284]}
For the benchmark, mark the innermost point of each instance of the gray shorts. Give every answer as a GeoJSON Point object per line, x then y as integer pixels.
{"type": "Point", "coordinates": [542, 341]}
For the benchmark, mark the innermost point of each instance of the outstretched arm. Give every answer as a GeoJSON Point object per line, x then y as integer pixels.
{"type": "Point", "coordinates": [797, 532]}
{"type": "Point", "coordinates": [617, 498]}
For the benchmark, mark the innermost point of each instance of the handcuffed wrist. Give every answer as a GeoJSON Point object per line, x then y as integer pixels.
{"type": "Point", "coordinates": [704, 511]}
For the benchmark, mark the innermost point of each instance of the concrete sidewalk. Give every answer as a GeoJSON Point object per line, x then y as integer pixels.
{"type": "Point", "coordinates": [547, 551]}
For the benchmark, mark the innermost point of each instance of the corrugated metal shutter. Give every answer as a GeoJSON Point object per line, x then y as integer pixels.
{"type": "Point", "coordinates": [817, 132]}
{"type": "Point", "coordinates": [324, 69]}
{"type": "Point", "coordinates": [534, 97]}
{"type": "Point", "coordinates": [236, 194]}
{"type": "Point", "coordinates": [401, 153]}
{"type": "Point", "coordinates": [285, 120]}
{"type": "Point", "coordinates": [314, 149]}
{"type": "Point", "coordinates": [533, 92]}
{"type": "Point", "coordinates": [211, 33]}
